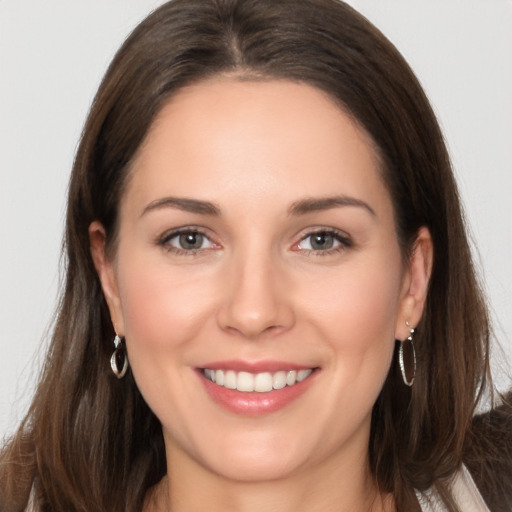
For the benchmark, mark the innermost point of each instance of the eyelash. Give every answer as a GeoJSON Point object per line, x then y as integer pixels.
{"type": "Point", "coordinates": [342, 238]}
{"type": "Point", "coordinates": [165, 239]}
{"type": "Point", "coordinates": [345, 242]}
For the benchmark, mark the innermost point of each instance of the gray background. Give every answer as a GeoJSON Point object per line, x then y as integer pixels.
{"type": "Point", "coordinates": [52, 57]}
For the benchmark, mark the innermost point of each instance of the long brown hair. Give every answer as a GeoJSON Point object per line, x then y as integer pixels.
{"type": "Point", "coordinates": [89, 442]}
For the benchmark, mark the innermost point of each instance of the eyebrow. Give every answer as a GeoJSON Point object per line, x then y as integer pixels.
{"type": "Point", "coordinates": [326, 203]}
{"type": "Point", "coordinates": [185, 204]}
{"type": "Point", "coordinates": [301, 207]}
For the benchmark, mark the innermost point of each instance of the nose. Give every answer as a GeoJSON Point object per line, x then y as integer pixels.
{"type": "Point", "coordinates": [256, 302]}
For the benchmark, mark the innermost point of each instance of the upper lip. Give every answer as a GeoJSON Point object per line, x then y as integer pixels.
{"type": "Point", "coordinates": [271, 366]}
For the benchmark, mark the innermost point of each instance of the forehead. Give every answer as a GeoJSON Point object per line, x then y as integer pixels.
{"type": "Point", "coordinates": [276, 138]}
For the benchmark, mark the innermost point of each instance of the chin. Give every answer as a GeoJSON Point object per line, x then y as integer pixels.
{"type": "Point", "coordinates": [255, 456]}
{"type": "Point", "coordinates": [256, 469]}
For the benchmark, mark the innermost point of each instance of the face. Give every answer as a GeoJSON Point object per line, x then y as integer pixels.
{"type": "Point", "coordinates": [257, 249]}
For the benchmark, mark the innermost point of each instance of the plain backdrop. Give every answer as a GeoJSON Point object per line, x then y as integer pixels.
{"type": "Point", "coordinates": [52, 57]}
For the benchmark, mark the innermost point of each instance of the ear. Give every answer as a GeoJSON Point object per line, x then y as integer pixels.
{"type": "Point", "coordinates": [106, 272]}
{"type": "Point", "coordinates": [415, 284]}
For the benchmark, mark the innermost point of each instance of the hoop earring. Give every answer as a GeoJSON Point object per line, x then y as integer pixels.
{"type": "Point", "coordinates": [119, 358]}
{"type": "Point", "coordinates": [407, 382]}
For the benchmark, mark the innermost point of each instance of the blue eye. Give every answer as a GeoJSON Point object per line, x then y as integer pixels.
{"type": "Point", "coordinates": [323, 241]}
{"type": "Point", "coordinates": [319, 242]}
{"type": "Point", "coordinates": [186, 241]}
{"type": "Point", "coordinates": [190, 241]}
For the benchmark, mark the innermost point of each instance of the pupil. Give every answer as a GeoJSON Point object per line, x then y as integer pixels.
{"type": "Point", "coordinates": [322, 241]}
{"type": "Point", "coordinates": [191, 240]}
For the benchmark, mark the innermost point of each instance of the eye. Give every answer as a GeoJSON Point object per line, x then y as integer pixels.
{"type": "Point", "coordinates": [186, 241]}
{"type": "Point", "coordinates": [324, 241]}
{"type": "Point", "coordinates": [190, 241]}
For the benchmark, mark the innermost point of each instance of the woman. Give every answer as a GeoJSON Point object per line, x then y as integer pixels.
{"type": "Point", "coordinates": [261, 204]}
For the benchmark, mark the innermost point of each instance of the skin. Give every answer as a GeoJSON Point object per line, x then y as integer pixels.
{"type": "Point", "coordinates": [258, 290]}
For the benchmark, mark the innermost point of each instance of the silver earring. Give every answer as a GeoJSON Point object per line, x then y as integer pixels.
{"type": "Point", "coordinates": [119, 358]}
{"type": "Point", "coordinates": [407, 382]}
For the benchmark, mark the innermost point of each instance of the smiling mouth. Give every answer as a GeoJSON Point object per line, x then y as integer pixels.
{"type": "Point", "coordinates": [263, 382]}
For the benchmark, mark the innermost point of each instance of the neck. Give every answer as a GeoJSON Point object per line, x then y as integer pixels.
{"type": "Point", "coordinates": [326, 487]}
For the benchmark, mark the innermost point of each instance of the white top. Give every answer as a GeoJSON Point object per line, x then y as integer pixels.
{"type": "Point", "coordinates": [464, 491]}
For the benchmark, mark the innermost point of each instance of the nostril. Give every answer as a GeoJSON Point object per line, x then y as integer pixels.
{"type": "Point", "coordinates": [254, 325]}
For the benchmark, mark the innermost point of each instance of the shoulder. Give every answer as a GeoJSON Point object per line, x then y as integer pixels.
{"type": "Point", "coordinates": [488, 455]}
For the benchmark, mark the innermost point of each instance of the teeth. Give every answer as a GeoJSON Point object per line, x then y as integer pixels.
{"type": "Point", "coordinates": [291, 377]}
{"type": "Point", "coordinates": [260, 382]}
{"type": "Point", "coordinates": [263, 382]}
{"type": "Point", "coordinates": [230, 379]}
{"type": "Point", "coordinates": [303, 374]}
{"type": "Point", "coordinates": [279, 380]}
{"type": "Point", "coordinates": [245, 382]}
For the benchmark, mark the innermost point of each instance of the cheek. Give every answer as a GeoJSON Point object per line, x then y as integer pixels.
{"type": "Point", "coordinates": [358, 321]}
{"type": "Point", "coordinates": [362, 298]}
{"type": "Point", "coordinates": [163, 309]}
{"type": "Point", "coordinates": [356, 311]}
{"type": "Point", "coordinates": [159, 302]}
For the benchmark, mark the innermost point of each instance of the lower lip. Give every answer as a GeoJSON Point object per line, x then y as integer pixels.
{"type": "Point", "coordinates": [254, 403]}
